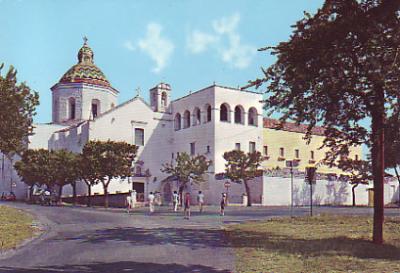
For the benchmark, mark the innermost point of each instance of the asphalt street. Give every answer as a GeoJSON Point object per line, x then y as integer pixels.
{"type": "Point", "coordinates": [97, 240]}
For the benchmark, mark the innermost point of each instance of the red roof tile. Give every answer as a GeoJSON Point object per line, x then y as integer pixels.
{"type": "Point", "coordinates": [292, 127]}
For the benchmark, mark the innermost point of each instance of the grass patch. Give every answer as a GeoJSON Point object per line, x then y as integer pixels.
{"type": "Point", "coordinates": [326, 243]}
{"type": "Point", "coordinates": [15, 226]}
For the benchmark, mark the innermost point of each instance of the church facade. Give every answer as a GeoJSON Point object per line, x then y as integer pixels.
{"type": "Point", "coordinates": [210, 121]}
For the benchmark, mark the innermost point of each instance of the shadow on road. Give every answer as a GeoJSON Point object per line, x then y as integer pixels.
{"type": "Point", "coordinates": [193, 238]}
{"type": "Point", "coordinates": [116, 267]}
{"type": "Point", "coordinates": [288, 245]}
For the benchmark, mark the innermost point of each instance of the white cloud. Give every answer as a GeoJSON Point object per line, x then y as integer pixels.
{"type": "Point", "coordinates": [129, 45]}
{"type": "Point", "coordinates": [226, 25]}
{"type": "Point", "coordinates": [226, 41]}
{"type": "Point", "coordinates": [157, 47]}
{"type": "Point", "coordinates": [198, 42]}
{"type": "Point", "coordinates": [237, 54]}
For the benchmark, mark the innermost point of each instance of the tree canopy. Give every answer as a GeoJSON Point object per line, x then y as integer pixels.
{"type": "Point", "coordinates": [109, 159]}
{"type": "Point", "coordinates": [17, 107]}
{"type": "Point", "coordinates": [187, 169]}
{"type": "Point", "coordinates": [35, 167]}
{"type": "Point", "coordinates": [241, 167]}
{"type": "Point", "coordinates": [339, 68]}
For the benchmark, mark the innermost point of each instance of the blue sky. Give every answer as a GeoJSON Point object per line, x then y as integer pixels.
{"type": "Point", "coordinates": [188, 44]}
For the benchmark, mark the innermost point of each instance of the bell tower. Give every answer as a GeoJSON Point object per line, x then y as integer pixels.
{"type": "Point", "coordinates": [160, 98]}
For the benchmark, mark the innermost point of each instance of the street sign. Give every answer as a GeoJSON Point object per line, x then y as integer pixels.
{"type": "Point", "coordinates": [311, 176]}
{"type": "Point", "coordinates": [227, 184]}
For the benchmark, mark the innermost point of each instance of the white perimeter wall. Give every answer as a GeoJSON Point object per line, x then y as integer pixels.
{"type": "Point", "coordinates": [276, 192]}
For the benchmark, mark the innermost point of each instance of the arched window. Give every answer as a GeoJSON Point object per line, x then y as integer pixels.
{"type": "Point", "coordinates": [224, 112]}
{"type": "Point", "coordinates": [186, 119]}
{"type": "Point", "coordinates": [196, 116]}
{"type": "Point", "coordinates": [177, 121]}
{"type": "Point", "coordinates": [207, 110]}
{"type": "Point", "coordinates": [164, 99]}
{"type": "Point", "coordinates": [239, 114]}
{"type": "Point", "coordinates": [253, 116]}
{"type": "Point", "coordinates": [72, 108]}
{"type": "Point", "coordinates": [95, 108]}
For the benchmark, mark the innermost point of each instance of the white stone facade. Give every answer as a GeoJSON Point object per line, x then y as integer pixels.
{"type": "Point", "coordinates": [210, 122]}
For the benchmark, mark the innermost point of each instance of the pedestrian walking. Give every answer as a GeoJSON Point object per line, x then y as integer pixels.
{"type": "Point", "coordinates": [128, 202]}
{"type": "Point", "coordinates": [175, 200]}
{"type": "Point", "coordinates": [133, 199]}
{"type": "Point", "coordinates": [187, 206]}
{"type": "Point", "coordinates": [151, 198]}
{"type": "Point", "coordinates": [223, 204]}
{"type": "Point", "coordinates": [200, 200]}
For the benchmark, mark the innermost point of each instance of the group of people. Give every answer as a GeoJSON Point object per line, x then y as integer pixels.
{"type": "Point", "coordinates": [176, 200]}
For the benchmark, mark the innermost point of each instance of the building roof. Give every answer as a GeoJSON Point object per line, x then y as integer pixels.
{"type": "Point", "coordinates": [85, 71]}
{"type": "Point", "coordinates": [292, 127]}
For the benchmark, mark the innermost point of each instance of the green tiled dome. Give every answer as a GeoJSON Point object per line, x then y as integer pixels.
{"type": "Point", "coordinates": [85, 71]}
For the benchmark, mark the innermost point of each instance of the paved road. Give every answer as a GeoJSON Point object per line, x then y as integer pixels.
{"type": "Point", "coordinates": [95, 240]}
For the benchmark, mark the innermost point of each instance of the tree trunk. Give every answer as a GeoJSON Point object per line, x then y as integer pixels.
{"type": "Point", "coordinates": [60, 193]}
{"type": "Point", "coordinates": [377, 154]}
{"type": "Point", "coordinates": [354, 194]}
{"type": "Point", "coordinates": [246, 185]}
{"type": "Point", "coordinates": [105, 188]}
{"type": "Point", "coordinates": [89, 197]}
{"type": "Point", "coordinates": [73, 193]}
{"type": "Point", "coordinates": [398, 180]}
{"type": "Point", "coordinates": [30, 194]}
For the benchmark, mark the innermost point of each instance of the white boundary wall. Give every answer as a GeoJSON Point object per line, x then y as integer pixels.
{"type": "Point", "coordinates": [276, 192]}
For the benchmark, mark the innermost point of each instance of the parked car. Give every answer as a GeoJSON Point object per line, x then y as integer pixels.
{"type": "Point", "coordinates": [8, 196]}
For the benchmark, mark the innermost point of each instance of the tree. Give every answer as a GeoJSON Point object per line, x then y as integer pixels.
{"type": "Point", "coordinates": [187, 169]}
{"type": "Point", "coordinates": [241, 168]}
{"type": "Point", "coordinates": [356, 172]}
{"type": "Point", "coordinates": [35, 168]}
{"type": "Point", "coordinates": [65, 166]}
{"type": "Point", "coordinates": [339, 68]}
{"type": "Point", "coordinates": [114, 159]}
{"type": "Point", "coordinates": [89, 170]}
{"type": "Point", "coordinates": [27, 169]}
{"type": "Point", "coordinates": [17, 107]}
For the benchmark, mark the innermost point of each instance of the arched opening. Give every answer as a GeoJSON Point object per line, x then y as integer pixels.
{"type": "Point", "coordinates": [186, 119]}
{"type": "Point", "coordinates": [239, 114]}
{"type": "Point", "coordinates": [224, 112]}
{"type": "Point", "coordinates": [177, 122]}
{"type": "Point", "coordinates": [164, 99]}
{"type": "Point", "coordinates": [196, 116]}
{"type": "Point", "coordinates": [207, 110]}
{"type": "Point", "coordinates": [72, 108]}
{"type": "Point", "coordinates": [95, 108]}
{"type": "Point", "coordinates": [253, 116]}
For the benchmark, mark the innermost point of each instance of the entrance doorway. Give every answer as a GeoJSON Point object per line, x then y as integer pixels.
{"type": "Point", "coordinates": [139, 188]}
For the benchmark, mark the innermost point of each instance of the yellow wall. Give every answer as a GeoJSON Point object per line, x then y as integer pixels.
{"type": "Point", "coordinates": [275, 139]}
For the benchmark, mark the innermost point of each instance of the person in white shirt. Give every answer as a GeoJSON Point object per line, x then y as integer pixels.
{"type": "Point", "coordinates": [128, 203]}
{"type": "Point", "coordinates": [133, 199]}
{"type": "Point", "coordinates": [151, 202]}
{"type": "Point", "coordinates": [175, 200]}
{"type": "Point", "coordinates": [200, 200]}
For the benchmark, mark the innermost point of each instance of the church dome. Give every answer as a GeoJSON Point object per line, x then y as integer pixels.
{"type": "Point", "coordinates": [85, 71]}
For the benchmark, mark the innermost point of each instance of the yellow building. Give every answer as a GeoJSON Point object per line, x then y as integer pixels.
{"type": "Point", "coordinates": [288, 143]}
